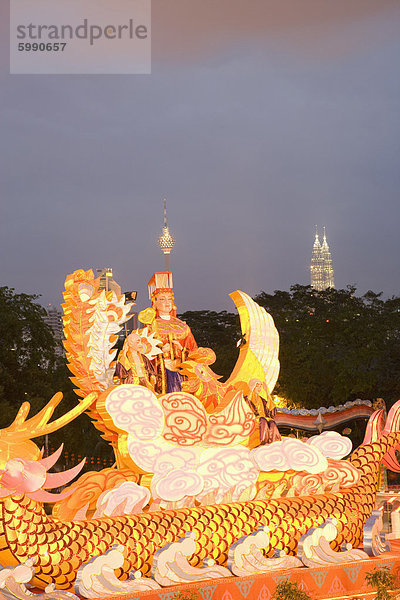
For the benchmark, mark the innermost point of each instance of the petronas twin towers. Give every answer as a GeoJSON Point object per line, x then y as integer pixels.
{"type": "Point", "coordinates": [321, 261]}
{"type": "Point", "coordinates": [321, 265]}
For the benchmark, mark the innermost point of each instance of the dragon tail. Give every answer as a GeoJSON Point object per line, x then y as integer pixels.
{"type": "Point", "coordinates": [380, 443]}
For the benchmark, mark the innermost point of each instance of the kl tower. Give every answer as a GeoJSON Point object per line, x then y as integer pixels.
{"type": "Point", "coordinates": [166, 240]}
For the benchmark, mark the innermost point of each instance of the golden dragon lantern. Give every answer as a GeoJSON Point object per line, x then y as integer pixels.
{"type": "Point", "coordinates": [193, 484]}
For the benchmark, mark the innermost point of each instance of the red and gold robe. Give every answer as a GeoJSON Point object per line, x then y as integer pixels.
{"type": "Point", "coordinates": [168, 331]}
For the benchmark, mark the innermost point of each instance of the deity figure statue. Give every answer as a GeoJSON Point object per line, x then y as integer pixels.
{"type": "Point", "coordinates": [132, 364]}
{"type": "Point", "coordinates": [263, 406]}
{"type": "Point", "coordinates": [175, 335]}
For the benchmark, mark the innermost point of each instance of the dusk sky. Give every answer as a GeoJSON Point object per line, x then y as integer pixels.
{"type": "Point", "coordinates": [260, 119]}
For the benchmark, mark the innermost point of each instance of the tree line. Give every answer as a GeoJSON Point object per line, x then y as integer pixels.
{"type": "Point", "coordinates": [31, 369]}
{"type": "Point", "coordinates": [335, 346]}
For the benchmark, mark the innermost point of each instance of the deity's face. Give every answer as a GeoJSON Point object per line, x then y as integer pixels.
{"type": "Point", "coordinates": [255, 386]}
{"type": "Point", "coordinates": [164, 303]}
{"type": "Point", "coordinates": [134, 342]}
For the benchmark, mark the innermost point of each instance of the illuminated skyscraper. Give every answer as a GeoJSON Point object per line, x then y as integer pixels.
{"type": "Point", "coordinates": [166, 240]}
{"type": "Point", "coordinates": [107, 282]}
{"type": "Point", "coordinates": [321, 265]}
{"type": "Point", "coordinates": [54, 321]}
{"type": "Point", "coordinates": [317, 264]}
{"type": "Point", "coordinates": [329, 280]}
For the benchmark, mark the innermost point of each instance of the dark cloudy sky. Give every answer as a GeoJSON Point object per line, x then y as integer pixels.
{"type": "Point", "coordinates": [260, 119]}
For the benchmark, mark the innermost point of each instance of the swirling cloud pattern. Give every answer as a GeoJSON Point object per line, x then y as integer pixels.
{"type": "Point", "coordinates": [185, 419]}
{"type": "Point", "coordinates": [289, 454]}
{"type": "Point", "coordinates": [331, 444]}
{"type": "Point", "coordinates": [339, 474]}
{"type": "Point", "coordinates": [270, 458]}
{"type": "Point", "coordinates": [146, 453]}
{"type": "Point", "coordinates": [224, 469]}
{"type": "Point", "coordinates": [125, 498]}
{"type": "Point", "coordinates": [344, 471]}
{"type": "Point", "coordinates": [177, 484]}
{"type": "Point", "coordinates": [232, 425]}
{"type": "Point", "coordinates": [307, 483]}
{"type": "Point", "coordinates": [176, 458]}
{"type": "Point", "coordinates": [136, 410]}
{"type": "Point", "coordinates": [160, 456]}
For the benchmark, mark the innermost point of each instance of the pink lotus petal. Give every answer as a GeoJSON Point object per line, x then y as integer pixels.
{"type": "Point", "coordinates": [393, 419]}
{"type": "Point", "coordinates": [23, 475]}
{"type": "Point", "coordinates": [374, 428]}
{"type": "Point", "coordinates": [5, 492]}
{"type": "Point", "coordinates": [58, 479]}
{"type": "Point", "coordinates": [390, 460]}
{"type": "Point", "coordinates": [51, 460]}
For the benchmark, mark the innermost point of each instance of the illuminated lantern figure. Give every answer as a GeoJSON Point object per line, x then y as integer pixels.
{"type": "Point", "coordinates": [133, 366]}
{"type": "Point", "coordinates": [264, 409]}
{"type": "Point", "coordinates": [175, 335]}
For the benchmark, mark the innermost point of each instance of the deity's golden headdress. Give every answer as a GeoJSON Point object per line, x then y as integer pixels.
{"type": "Point", "coordinates": [160, 282]}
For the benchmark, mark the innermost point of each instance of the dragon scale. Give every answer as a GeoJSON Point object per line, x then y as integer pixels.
{"type": "Point", "coordinates": [60, 547]}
